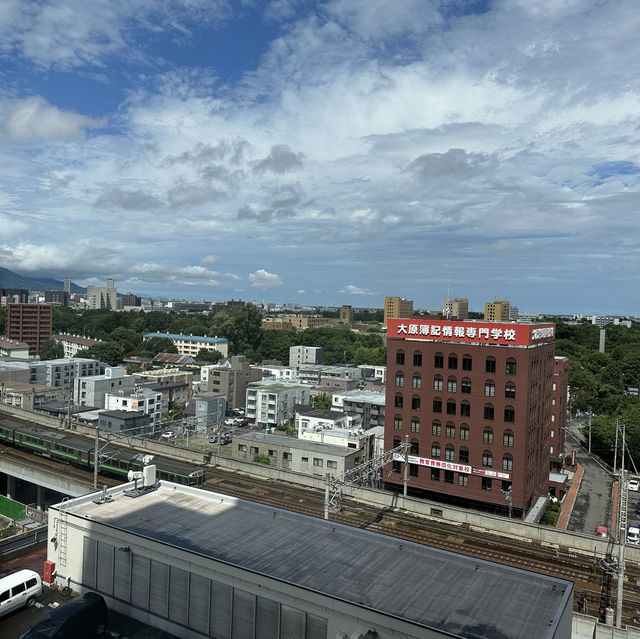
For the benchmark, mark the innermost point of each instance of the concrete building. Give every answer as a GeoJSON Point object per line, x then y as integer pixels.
{"type": "Point", "coordinates": [199, 564]}
{"type": "Point", "coordinates": [342, 377]}
{"type": "Point", "coordinates": [210, 410]}
{"type": "Point", "coordinates": [27, 395]}
{"type": "Point", "coordinates": [90, 391]}
{"type": "Point", "coordinates": [374, 372]}
{"type": "Point", "coordinates": [346, 314]}
{"type": "Point", "coordinates": [57, 298]}
{"type": "Point", "coordinates": [230, 378]}
{"type": "Point", "coordinates": [14, 296]}
{"type": "Point", "coordinates": [14, 371]}
{"type": "Point", "coordinates": [396, 307]}
{"type": "Point", "coordinates": [278, 372]}
{"type": "Point", "coordinates": [102, 296]}
{"type": "Point", "coordinates": [370, 405]}
{"type": "Point", "coordinates": [271, 404]}
{"type": "Point", "coordinates": [559, 409]}
{"type": "Point", "coordinates": [497, 311]}
{"type": "Point", "coordinates": [299, 355]}
{"type": "Point", "coordinates": [164, 375]}
{"type": "Point", "coordinates": [457, 307]}
{"type": "Point", "coordinates": [191, 344]}
{"type": "Point", "coordinates": [61, 372]}
{"type": "Point", "coordinates": [173, 359]}
{"type": "Point", "coordinates": [295, 322]}
{"type": "Point", "coordinates": [13, 348]}
{"type": "Point", "coordinates": [140, 400]}
{"type": "Point", "coordinates": [74, 343]}
{"type": "Point", "coordinates": [29, 323]}
{"type": "Point", "coordinates": [475, 400]}
{"type": "Point", "coordinates": [172, 393]}
{"type": "Point", "coordinates": [132, 422]}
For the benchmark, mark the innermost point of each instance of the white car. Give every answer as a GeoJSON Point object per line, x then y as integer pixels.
{"type": "Point", "coordinates": [634, 485]}
{"type": "Point", "coordinates": [170, 434]}
{"type": "Point", "coordinates": [633, 534]}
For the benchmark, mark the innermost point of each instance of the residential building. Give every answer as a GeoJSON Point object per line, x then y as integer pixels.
{"type": "Point", "coordinates": [13, 348]}
{"type": "Point", "coordinates": [27, 395]}
{"type": "Point", "coordinates": [230, 378]}
{"type": "Point", "coordinates": [14, 371]}
{"type": "Point", "coordinates": [210, 410]}
{"type": "Point", "coordinates": [131, 422]}
{"type": "Point", "coordinates": [497, 311]}
{"type": "Point", "coordinates": [172, 393]}
{"type": "Point", "coordinates": [129, 300]}
{"type": "Point", "coordinates": [164, 375]}
{"type": "Point", "coordinates": [192, 344]}
{"type": "Point", "coordinates": [74, 343]}
{"type": "Point", "coordinates": [141, 400]}
{"type": "Point", "coordinates": [58, 298]}
{"type": "Point", "coordinates": [296, 322]}
{"type": "Point", "coordinates": [90, 391]}
{"type": "Point", "coordinates": [61, 372]}
{"type": "Point", "coordinates": [102, 296]}
{"type": "Point", "coordinates": [271, 404]}
{"type": "Point", "coordinates": [368, 404]}
{"type": "Point", "coordinates": [173, 359]}
{"type": "Point", "coordinates": [396, 307]}
{"type": "Point", "coordinates": [474, 398]}
{"type": "Point", "coordinates": [14, 296]}
{"type": "Point", "coordinates": [279, 372]}
{"type": "Point", "coordinates": [374, 372]}
{"type": "Point", "coordinates": [457, 307]}
{"type": "Point", "coordinates": [346, 314]}
{"type": "Point", "coordinates": [299, 355]}
{"type": "Point", "coordinates": [30, 323]}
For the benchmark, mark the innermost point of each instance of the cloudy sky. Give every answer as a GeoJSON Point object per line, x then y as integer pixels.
{"type": "Point", "coordinates": [326, 152]}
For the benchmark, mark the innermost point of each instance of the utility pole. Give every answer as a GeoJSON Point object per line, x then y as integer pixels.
{"type": "Point", "coordinates": [96, 455]}
{"type": "Point", "coordinates": [589, 431]}
{"type": "Point", "coordinates": [406, 464]}
{"type": "Point", "coordinates": [622, 532]}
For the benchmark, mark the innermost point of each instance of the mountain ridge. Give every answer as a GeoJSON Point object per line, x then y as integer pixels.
{"type": "Point", "coordinates": [10, 279]}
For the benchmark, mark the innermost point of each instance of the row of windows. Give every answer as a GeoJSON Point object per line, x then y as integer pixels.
{"type": "Point", "coordinates": [509, 413]}
{"type": "Point", "coordinates": [450, 431]}
{"type": "Point", "coordinates": [452, 385]}
{"type": "Point", "coordinates": [452, 362]}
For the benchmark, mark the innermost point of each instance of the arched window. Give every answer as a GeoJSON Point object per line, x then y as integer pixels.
{"type": "Point", "coordinates": [399, 379]}
{"type": "Point", "coordinates": [400, 357]}
{"type": "Point", "coordinates": [450, 430]}
{"type": "Point", "coordinates": [510, 390]}
{"type": "Point", "coordinates": [507, 438]}
{"type": "Point", "coordinates": [453, 362]}
{"type": "Point", "coordinates": [438, 360]}
{"type": "Point", "coordinates": [417, 358]}
{"type": "Point", "coordinates": [465, 386]}
{"type": "Point", "coordinates": [437, 405]}
{"type": "Point", "coordinates": [416, 381]}
{"type": "Point", "coordinates": [397, 422]}
{"type": "Point", "coordinates": [452, 385]}
{"type": "Point", "coordinates": [488, 411]}
{"type": "Point", "coordinates": [398, 402]}
{"type": "Point", "coordinates": [463, 455]}
{"type": "Point", "coordinates": [437, 383]}
{"type": "Point", "coordinates": [396, 442]}
{"type": "Point", "coordinates": [414, 447]}
{"type": "Point", "coordinates": [487, 458]}
{"type": "Point", "coordinates": [490, 365]}
{"type": "Point", "coordinates": [415, 402]}
{"type": "Point", "coordinates": [489, 388]}
{"type": "Point", "coordinates": [509, 414]}
{"type": "Point", "coordinates": [507, 462]}
{"type": "Point", "coordinates": [466, 363]}
{"type": "Point", "coordinates": [450, 453]}
{"type": "Point", "coordinates": [464, 431]}
{"type": "Point", "coordinates": [487, 435]}
{"type": "Point", "coordinates": [435, 450]}
{"type": "Point", "coordinates": [436, 428]}
{"type": "Point", "coordinates": [465, 408]}
{"type": "Point", "coordinates": [451, 407]}
{"type": "Point", "coordinates": [415, 425]}
{"type": "Point", "coordinates": [510, 368]}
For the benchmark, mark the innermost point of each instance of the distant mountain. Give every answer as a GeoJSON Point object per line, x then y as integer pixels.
{"type": "Point", "coordinates": [9, 279]}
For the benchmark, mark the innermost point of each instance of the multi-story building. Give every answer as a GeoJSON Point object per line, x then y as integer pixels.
{"type": "Point", "coordinates": [191, 344]}
{"type": "Point", "coordinates": [172, 392]}
{"type": "Point", "coordinates": [210, 410]}
{"type": "Point", "coordinates": [295, 322]}
{"type": "Point", "coordinates": [164, 375]}
{"type": "Point", "coordinates": [62, 372]}
{"type": "Point", "coordinates": [27, 395]}
{"type": "Point", "coordinates": [129, 300]}
{"type": "Point", "coordinates": [74, 343]}
{"type": "Point", "coordinates": [102, 296]}
{"type": "Point", "coordinates": [271, 404]}
{"type": "Point", "coordinates": [559, 411]}
{"type": "Point", "coordinates": [14, 296]}
{"type": "Point", "coordinates": [395, 307]}
{"type": "Point", "coordinates": [299, 355]}
{"type": "Point", "coordinates": [230, 378]}
{"type": "Point", "coordinates": [131, 422]}
{"type": "Point", "coordinates": [90, 391]}
{"type": "Point", "coordinates": [346, 314]}
{"type": "Point", "coordinates": [277, 371]}
{"type": "Point", "coordinates": [140, 400]}
{"type": "Point", "coordinates": [457, 307]}
{"type": "Point", "coordinates": [370, 405]}
{"type": "Point", "coordinates": [497, 311]}
{"type": "Point", "coordinates": [30, 323]}
{"type": "Point", "coordinates": [58, 298]}
{"type": "Point", "coordinates": [374, 372]}
{"type": "Point", "coordinates": [13, 348]}
{"type": "Point", "coordinates": [474, 400]}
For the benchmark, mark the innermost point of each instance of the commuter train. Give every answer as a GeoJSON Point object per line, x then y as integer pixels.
{"type": "Point", "coordinates": [79, 451]}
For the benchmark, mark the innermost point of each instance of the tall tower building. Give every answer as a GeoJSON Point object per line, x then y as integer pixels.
{"type": "Point", "coordinates": [397, 307]}
{"type": "Point", "coordinates": [67, 285]}
{"type": "Point", "coordinates": [457, 307]}
{"type": "Point", "coordinates": [102, 297]}
{"type": "Point", "coordinates": [497, 311]}
{"type": "Point", "coordinates": [346, 314]}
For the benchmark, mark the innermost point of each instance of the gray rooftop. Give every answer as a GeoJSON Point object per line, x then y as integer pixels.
{"type": "Point", "coordinates": [294, 442]}
{"type": "Point", "coordinates": [467, 597]}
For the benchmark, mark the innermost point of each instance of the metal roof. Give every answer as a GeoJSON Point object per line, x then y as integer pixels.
{"type": "Point", "coordinates": [433, 588]}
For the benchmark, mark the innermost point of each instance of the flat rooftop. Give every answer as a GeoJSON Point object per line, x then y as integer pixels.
{"type": "Point", "coordinates": [432, 588]}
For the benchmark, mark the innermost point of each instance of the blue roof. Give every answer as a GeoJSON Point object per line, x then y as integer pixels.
{"type": "Point", "coordinates": [190, 338]}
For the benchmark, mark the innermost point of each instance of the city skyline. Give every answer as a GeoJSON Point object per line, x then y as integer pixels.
{"type": "Point", "coordinates": [325, 153]}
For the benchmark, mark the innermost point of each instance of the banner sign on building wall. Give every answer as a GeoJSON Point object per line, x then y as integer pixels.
{"type": "Point", "coordinates": [471, 332]}
{"type": "Point", "coordinates": [458, 468]}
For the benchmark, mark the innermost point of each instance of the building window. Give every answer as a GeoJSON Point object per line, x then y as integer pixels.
{"type": "Point", "coordinates": [437, 383]}
{"type": "Point", "coordinates": [466, 362]}
{"type": "Point", "coordinates": [453, 361]}
{"type": "Point", "coordinates": [415, 425]}
{"type": "Point", "coordinates": [435, 474]}
{"type": "Point", "coordinates": [436, 428]}
{"type": "Point", "coordinates": [509, 414]}
{"type": "Point", "coordinates": [451, 407]}
{"type": "Point", "coordinates": [463, 455]}
{"type": "Point", "coordinates": [317, 462]}
{"type": "Point", "coordinates": [507, 462]}
{"type": "Point", "coordinates": [396, 467]}
{"type": "Point", "coordinates": [397, 422]}
{"type": "Point", "coordinates": [435, 450]}
{"type": "Point", "coordinates": [415, 402]}
{"type": "Point", "coordinates": [489, 388]}
{"type": "Point", "coordinates": [448, 477]}
{"type": "Point", "coordinates": [242, 448]}
{"type": "Point", "coordinates": [510, 368]}
{"type": "Point", "coordinates": [465, 409]}
{"type": "Point", "coordinates": [463, 480]}
{"type": "Point", "coordinates": [287, 456]}
{"type": "Point", "coordinates": [416, 381]}
{"type": "Point", "coordinates": [507, 438]}
{"type": "Point", "coordinates": [332, 464]}
{"type": "Point", "coordinates": [464, 431]}
{"type": "Point", "coordinates": [398, 400]}
{"type": "Point", "coordinates": [305, 460]}
{"type": "Point", "coordinates": [396, 442]}
{"type": "Point", "coordinates": [487, 435]}
{"type": "Point", "coordinates": [400, 357]}
{"type": "Point", "coordinates": [273, 453]}
{"type": "Point", "coordinates": [465, 386]}
{"type": "Point", "coordinates": [450, 453]}
{"type": "Point", "coordinates": [414, 447]}
{"type": "Point", "coordinates": [438, 360]}
{"type": "Point", "coordinates": [450, 430]}
{"type": "Point", "coordinates": [413, 470]}
{"type": "Point", "coordinates": [487, 458]}
{"type": "Point", "coordinates": [417, 358]}
{"type": "Point", "coordinates": [486, 483]}
{"type": "Point", "coordinates": [452, 385]}
{"type": "Point", "coordinates": [399, 379]}
{"type": "Point", "coordinates": [253, 450]}
{"type": "Point", "coordinates": [437, 405]}
{"type": "Point", "coordinates": [490, 365]}
{"type": "Point", "coordinates": [488, 411]}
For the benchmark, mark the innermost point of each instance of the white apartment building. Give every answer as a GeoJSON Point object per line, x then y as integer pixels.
{"type": "Point", "coordinates": [62, 372]}
{"type": "Point", "coordinates": [141, 400]}
{"type": "Point", "coordinates": [286, 373]}
{"type": "Point", "coordinates": [191, 344]}
{"type": "Point", "coordinates": [271, 404]}
{"type": "Point", "coordinates": [377, 372]}
{"type": "Point", "coordinates": [74, 343]}
{"type": "Point", "coordinates": [90, 391]}
{"type": "Point", "coordinates": [299, 355]}
{"type": "Point", "coordinates": [366, 403]}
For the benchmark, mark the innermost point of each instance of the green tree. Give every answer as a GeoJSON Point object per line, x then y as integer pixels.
{"type": "Point", "coordinates": [207, 355]}
{"type": "Point", "coordinates": [109, 352]}
{"type": "Point", "coordinates": [321, 400]}
{"type": "Point", "coordinates": [241, 326]}
{"type": "Point", "coordinates": [51, 349]}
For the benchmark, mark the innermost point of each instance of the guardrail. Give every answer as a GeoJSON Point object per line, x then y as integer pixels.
{"type": "Point", "coordinates": [23, 540]}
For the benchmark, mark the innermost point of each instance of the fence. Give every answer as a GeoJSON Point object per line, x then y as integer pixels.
{"type": "Point", "coordinates": [11, 509]}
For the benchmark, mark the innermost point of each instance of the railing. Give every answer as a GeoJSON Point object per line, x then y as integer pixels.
{"type": "Point", "coordinates": [23, 540]}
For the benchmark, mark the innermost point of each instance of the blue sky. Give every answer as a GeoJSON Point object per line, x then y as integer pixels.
{"type": "Point", "coordinates": [326, 152]}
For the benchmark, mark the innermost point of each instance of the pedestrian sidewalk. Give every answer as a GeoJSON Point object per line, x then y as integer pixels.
{"type": "Point", "coordinates": [570, 498]}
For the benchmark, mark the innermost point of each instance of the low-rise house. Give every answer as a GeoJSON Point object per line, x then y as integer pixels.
{"type": "Point", "coordinates": [131, 422]}
{"type": "Point", "coordinates": [368, 404]}
{"type": "Point", "coordinates": [140, 400]}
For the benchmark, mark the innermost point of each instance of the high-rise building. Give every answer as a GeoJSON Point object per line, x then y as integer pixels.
{"type": "Point", "coordinates": [456, 308]}
{"type": "Point", "coordinates": [497, 311]}
{"type": "Point", "coordinates": [67, 286]}
{"type": "Point", "coordinates": [102, 296]}
{"type": "Point", "coordinates": [59, 298]}
{"type": "Point", "coordinates": [475, 401]}
{"type": "Point", "coordinates": [29, 323]}
{"type": "Point", "coordinates": [395, 307]}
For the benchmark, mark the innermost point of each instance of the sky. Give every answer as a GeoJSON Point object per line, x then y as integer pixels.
{"type": "Point", "coordinates": [326, 153]}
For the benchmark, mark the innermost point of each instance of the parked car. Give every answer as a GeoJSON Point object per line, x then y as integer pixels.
{"type": "Point", "coordinates": [602, 531]}
{"type": "Point", "coordinates": [242, 423]}
{"type": "Point", "coordinates": [634, 485]}
{"type": "Point", "coordinates": [230, 421]}
{"type": "Point", "coordinates": [20, 589]}
{"type": "Point", "coordinates": [84, 618]}
{"type": "Point", "coordinates": [637, 508]}
{"type": "Point", "coordinates": [633, 534]}
{"type": "Point", "coordinates": [170, 434]}
{"type": "Point", "coordinates": [213, 439]}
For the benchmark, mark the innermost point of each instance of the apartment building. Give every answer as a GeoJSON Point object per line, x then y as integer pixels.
{"type": "Point", "coordinates": [397, 307]}
{"type": "Point", "coordinates": [29, 323]}
{"type": "Point", "coordinates": [271, 404]}
{"type": "Point", "coordinates": [74, 343]}
{"type": "Point", "coordinates": [497, 311]}
{"type": "Point", "coordinates": [90, 391]}
{"type": "Point", "coordinates": [62, 372]}
{"type": "Point", "coordinates": [191, 344]}
{"type": "Point", "coordinates": [299, 355]}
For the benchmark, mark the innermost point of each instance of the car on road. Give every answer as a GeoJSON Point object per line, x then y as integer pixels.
{"type": "Point", "coordinates": [634, 484]}
{"type": "Point", "coordinates": [170, 434]}
{"type": "Point", "coordinates": [230, 421]}
{"type": "Point", "coordinates": [633, 534]}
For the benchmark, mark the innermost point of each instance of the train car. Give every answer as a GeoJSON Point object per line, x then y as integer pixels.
{"type": "Point", "coordinates": [79, 451]}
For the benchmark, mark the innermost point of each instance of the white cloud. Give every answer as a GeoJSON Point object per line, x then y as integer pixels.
{"type": "Point", "coordinates": [356, 290]}
{"type": "Point", "coordinates": [264, 279]}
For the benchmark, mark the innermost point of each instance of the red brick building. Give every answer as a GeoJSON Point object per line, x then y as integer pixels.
{"type": "Point", "coordinates": [559, 411]}
{"type": "Point", "coordinates": [475, 399]}
{"type": "Point", "coordinates": [30, 323]}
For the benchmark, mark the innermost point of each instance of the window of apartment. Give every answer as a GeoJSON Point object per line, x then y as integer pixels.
{"type": "Point", "coordinates": [396, 442]}
{"type": "Point", "coordinates": [84, 384]}
{"type": "Point", "coordinates": [317, 462]}
{"type": "Point", "coordinates": [399, 379]}
{"type": "Point", "coordinates": [242, 448]}
{"type": "Point", "coordinates": [466, 363]}
{"type": "Point", "coordinates": [437, 383]}
{"type": "Point", "coordinates": [435, 450]}
{"type": "Point", "coordinates": [463, 455]}
{"type": "Point", "coordinates": [448, 477]}
{"type": "Point", "coordinates": [451, 407]}
{"type": "Point", "coordinates": [415, 425]}
{"type": "Point", "coordinates": [414, 447]}
{"type": "Point", "coordinates": [417, 358]}
{"type": "Point", "coordinates": [396, 467]}
{"type": "Point", "coordinates": [436, 428]}
{"type": "Point", "coordinates": [415, 402]}
{"type": "Point", "coordinates": [332, 464]}
{"type": "Point", "coordinates": [464, 431]}
{"type": "Point", "coordinates": [488, 411]}
{"type": "Point", "coordinates": [273, 453]}
{"type": "Point", "coordinates": [416, 381]}
{"type": "Point", "coordinates": [438, 360]}
{"type": "Point", "coordinates": [398, 400]}
{"type": "Point", "coordinates": [413, 470]}
{"type": "Point", "coordinates": [254, 450]}
{"type": "Point", "coordinates": [510, 390]}
{"type": "Point", "coordinates": [509, 414]}
{"type": "Point", "coordinates": [465, 409]}
{"type": "Point", "coordinates": [452, 385]}
{"type": "Point", "coordinates": [507, 462]}
{"type": "Point", "coordinates": [400, 357]}
{"type": "Point", "coordinates": [450, 430]}
{"type": "Point", "coordinates": [489, 388]}
{"type": "Point", "coordinates": [465, 386]}
{"type": "Point", "coordinates": [450, 453]}
{"type": "Point", "coordinates": [490, 365]}
{"type": "Point", "coordinates": [397, 422]}
{"type": "Point", "coordinates": [287, 456]}
{"type": "Point", "coordinates": [510, 368]}
{"type": "Point", "coordinates": [463, 479]}
{"type": "Point", "coordinates": [507, 438]}
{"type": "Point", "coordinates": [487, 435]}
{"type": "Point", "coordinates": [437, 405]}
{"type": "Point", "coordinates": [487, 458]}
{"type": "Point", "coordinates": [435, 474]}
{"type": "Point", "coordinates": [486, 483]}
{"type": "Point", "coordinates": [452, 361]}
